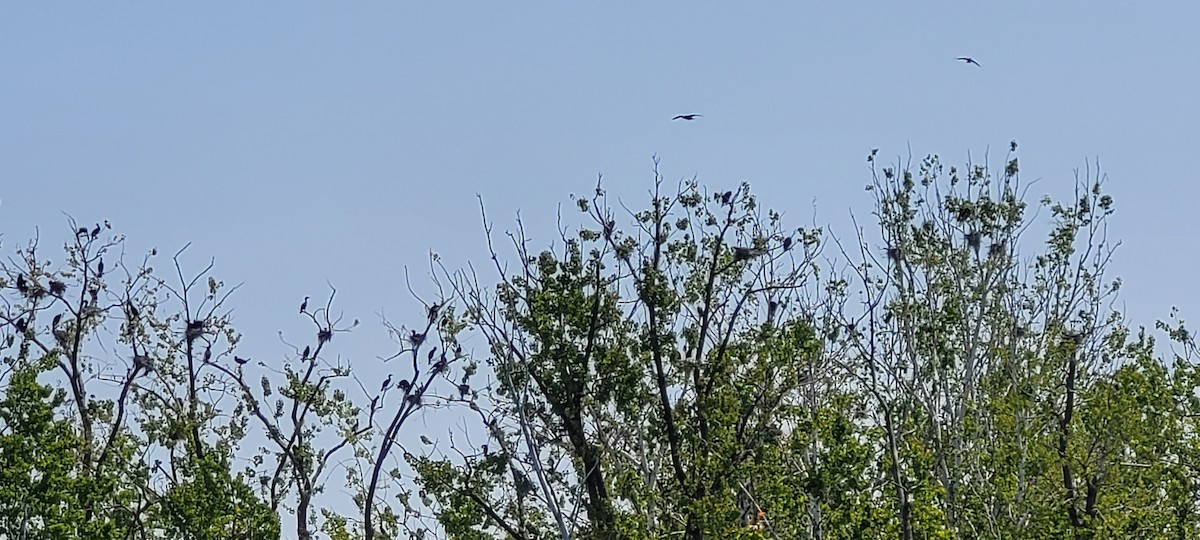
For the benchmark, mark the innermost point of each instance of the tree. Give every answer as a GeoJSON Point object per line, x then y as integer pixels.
{"type": "Point", "coordinates": [706, 373]}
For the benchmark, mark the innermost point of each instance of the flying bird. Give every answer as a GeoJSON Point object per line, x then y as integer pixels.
{"type": "Point", "coordinates": [304, 305]}
{"type": "Point", "coordinates": [969, 60]}
{"type": "Point", "coordinates": [687, 117]}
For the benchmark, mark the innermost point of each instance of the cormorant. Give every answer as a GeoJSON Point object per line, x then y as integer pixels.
{"type": "Point", "coordinates": [304, 305]}
{"type": "Point", "coordinates": [386, 383]}
{"type": "Point", "coordinates": [969, 60]}
{"type": "Point", "coordinates": [241, 361]}
{"type": "Point", "coordinates": [687, 117]}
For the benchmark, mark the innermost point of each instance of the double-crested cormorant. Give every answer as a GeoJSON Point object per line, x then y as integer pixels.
{"type": "Point", "coordinates": [745, 253]}
{"type": "Point", "coordinates": [241, 361]}
{"type": "Point", "coordinates": [687, 117]}
{"type": "Point", "coordinates": [386, 383]}
{"type": "Point", "coordinates": [21, 285]}
{"type": "Point", "coordinates": [307, 351]}
{"type": "Point", "coordinates": [100, 269]}
{"type": "Point", "coordinates": [787, 243]}
{"type": "Point", "coordinates": [304, 305]}
{"type": "Point", "coordinates": [96, 231]}
{"type": "Point", "coordinates": [969, 60]}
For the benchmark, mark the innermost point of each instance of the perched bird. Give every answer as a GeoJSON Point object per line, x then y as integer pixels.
{"type": "Point", "coordinates": [57, 319]}
{"type": "Point", "coordinates": [687, 117]}
{"type": "Point", "coordinates": [57, 288]}
{"type": "Point", "coordinates": [726, 197]}
{"type": "Point", "coordinates": [745, 253]}
{"type": "Point", "coordinates": [241, 361]}
{"type": "Point", "coordinates": [304, 305]}
{"type": "Point", "coordinates": [208, 353]}
{"type": "Point", "coordinates": [96, 231]}
{"type": "Point", "coordinates": [787, 243]}
{"type": "Point", "coordinates": [82, 231]}
{"type": "Point", "coordinates": [433, 312]}
{"type": "Point", "coordinates": [20, 325]}
{"type": "Point", "coordinates": [100, 269]}
{"type": "Point", "coordinates": [404, 385]}
{"type": "Point", "coordinates": [969, 60]}
{"type": "Point", "coordinates": [386, 383]}
{"type": "Point", "coordinates": [307, 351]}
{"type": "Point", "coordinates": [21, 285]}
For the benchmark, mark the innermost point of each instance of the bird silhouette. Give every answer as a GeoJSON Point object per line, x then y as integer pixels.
{"type": "Point", "coordinates": [969, 60]}
{"type": "Point", "coordinates": [787, 243]}
{"type": "Point", "coordinates": [100, 269]}
{"type": "Point", "coordinates": [21, 283]}
{"type": "Point", "coordinates": [82, 231]}
{"type": "Point", "coordinates": [241, 361]}
{"type": "Point", "coordinates": [57, 319]}
{"type": "Point", "coordinates": [307, 351]}
{"type": "Point", "coordinates": [745, 253]}
{"type": "Point", "coordinates": [96, 231]}
{"type": "Point", "coordinates": [304, 305]}
{"type": "Point", "coordinates": [687, 117]}
{"type": "Point", "coordinates": [386, 383]}
{"type": "Point", "coordinates": [208, 353]}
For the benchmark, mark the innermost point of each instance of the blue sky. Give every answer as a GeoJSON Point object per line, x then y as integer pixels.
{"type": "Point", "coordinates": [302, 143]}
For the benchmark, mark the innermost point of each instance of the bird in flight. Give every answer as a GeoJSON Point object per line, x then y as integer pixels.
{"type": "Point", "coordinates": [687, 117]}
{"type": "Point", "coordinates": [969, 60]}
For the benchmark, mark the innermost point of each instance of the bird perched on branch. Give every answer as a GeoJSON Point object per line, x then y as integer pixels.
{"type": "Point", "coordinates": [304, 305]}
{"type": "Point", "coordinates": [741, 253]}
{"type": "Point", "coordinates": [687, 117]}
{"type": "Point", "coordinates": [386, 383]}
{"type": "Point", "coordinates": [241, 361]}
{"type": "Point", "coordinates": [969, 60]}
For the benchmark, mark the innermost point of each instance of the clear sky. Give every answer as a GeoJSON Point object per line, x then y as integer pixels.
{"type": "Point", "coordinates": [302, 143]}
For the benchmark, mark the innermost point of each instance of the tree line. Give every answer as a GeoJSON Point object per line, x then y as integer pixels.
{"type": "Point", "coordinates": [693, 369]}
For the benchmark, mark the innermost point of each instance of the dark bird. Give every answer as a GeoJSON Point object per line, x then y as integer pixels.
{"type": "Point", "coordinates": [464, 389]}
{"type": "Point", "coordinates": [969, 60]}
{"type": "Point", "coordinates": [100, 269]}
{"type": "Point", "coordinates": [96, 231]}
{"type": "Point", "coordinates": [241, 361]}
{"type": "Point", "coordinates": [304, 305]}
{"type": "Point", "coordinates": [746, 253]}
{"type": "Point", "coordinates": [687, 117]}
{"type": "Point", "coordinates": [787, 243]}
{"type": "Point", "coordinates": [726, 197]}
{"type": "Point", "coordinates": [57, 288]}
{"type": "Point", "coordinates": [21, 286]}
{"type": "Point", "coordinates": [20, 324]}
{"type": "Point", "coordinates": [208, 353]}
{"type": "Point", "coordinates": [432, 352]}
{"type": "Point", "coordinates": [433, 312]}
{"type": "Point", "coordinates": [484, 447]}
{"type": "Point", "coordinates": [57, 319]}
{"type": "Point", "coordinates": [307, 351]}
{"type": "Point", "coordinates": [133, 310]}
{"type": "Point", "coordinates": [404, 385]}
{"type": "Point", "coordinates": [386, 383]}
